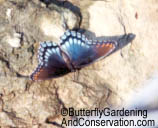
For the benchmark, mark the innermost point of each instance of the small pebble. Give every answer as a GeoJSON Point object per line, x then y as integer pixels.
{"type": "Point", "coordinates": [8, 13]}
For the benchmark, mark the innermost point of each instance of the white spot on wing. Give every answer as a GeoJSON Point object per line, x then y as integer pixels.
{"type": "Point", "coordinates": [43, 45]}
{"type": "Point", "coordinates": [49, 44]}
{"type": "Point", "coordinates": [53, 50]}
{"type": "Point", "coordinates": [67, 33]}
{"type": "Point", "coordinates": [82, 44]}
{"type": "Point", "coordinates": [64, 46]}
{"type": "Point", "coordinates": [46, 57]}
{"type": "Point", "coordinates": [89, 42]}
{"type": "Point", "coordinates": [48, 50]}
{"type": "Point", "coordinates": [41, 49]}
{"type": "Point", "coordinates": [79, 42]}
{"type": "Point", "coordinates": [67, 44]}
{"type": "Point", "coordinates": [70, 41]}
{"type": "Point", "coordinates": [41, 58]}
{"type": "Point", "coordinates": [58, 51]}
{"type": "Point", "coordinates": [48, 54]}
{"type": "Point", "coordinates": [73, 33]}
{"type": "Point", "coordinates": [75, 40]}
{"type": "Point", "coordinates": [63, 37]}
{"type": "Point", "coordinates": [78, 35]}
{"type": "Point", "coordinates": [40, 53]}
{"type": "Point", "coordinates": [41, 63]}
{"type": "Point", "coordinates": [83, 38]}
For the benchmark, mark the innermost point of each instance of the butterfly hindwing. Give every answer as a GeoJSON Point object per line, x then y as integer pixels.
{"type": "Point", "coordinates": [51, 63]}
{"type": "Point", "coordinates": [83, 51]}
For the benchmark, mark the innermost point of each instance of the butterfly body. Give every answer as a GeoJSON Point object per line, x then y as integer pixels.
{"type": "Point", "coordinates": [74, 52]}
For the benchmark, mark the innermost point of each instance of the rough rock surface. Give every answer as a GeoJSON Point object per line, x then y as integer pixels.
{"type": "Point", "coordinates": [24, 23]}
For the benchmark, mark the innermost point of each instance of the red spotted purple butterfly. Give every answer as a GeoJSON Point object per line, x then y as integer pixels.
{"type": "Point", "coordinates": [74, 52]}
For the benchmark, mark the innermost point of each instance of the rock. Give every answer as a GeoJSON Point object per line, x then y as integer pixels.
{"type": "Point", "coordinates": [101, 16]}
{"type": "Point", "coordinates": [49, 28]}
{"type": "Point", "coordinates": [1, 1]}
{"type": "Point", "coordinates": [51, 22]}
{"type": "Point", "coordinates": [8, 13]}
{"type": "Point", "coordinates": [5, 120]}
{"type": "Point", "coordinates": [15, 40]}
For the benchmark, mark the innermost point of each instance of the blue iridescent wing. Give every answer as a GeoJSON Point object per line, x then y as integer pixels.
{"type": "Point", "coordinates": [51, 63]}
{"type": "Point", "coordinates": [82, 51]}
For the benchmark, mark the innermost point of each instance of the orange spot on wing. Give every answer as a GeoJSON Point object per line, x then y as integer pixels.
{"type": "Point", "coordinates": [102, 45]}
{"type": "Point", "coordinates": [111, 45]}
{"type": "Point", "coordinates": [35, 77]}
{"type": "Point", "coordinates": [107, 45]}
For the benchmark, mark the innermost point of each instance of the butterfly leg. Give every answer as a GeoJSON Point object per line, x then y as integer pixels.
{"type": "Point", "coordinates": [76, 76]}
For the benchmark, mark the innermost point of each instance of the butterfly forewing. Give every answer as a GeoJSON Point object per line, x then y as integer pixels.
{"type": "Point", "coordinates": [51, 63]}
{"type": "Point", "coordinates": [103, 49]}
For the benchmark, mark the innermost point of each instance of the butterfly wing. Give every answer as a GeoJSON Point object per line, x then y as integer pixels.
{"type": "Point", "coordinates": [51, 63]}
{"type": "Point", "coordinates": [82, 51]}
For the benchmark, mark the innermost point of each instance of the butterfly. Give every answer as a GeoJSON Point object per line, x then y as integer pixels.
{"type": "Point", "coordinates": [74, 52]}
